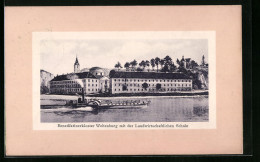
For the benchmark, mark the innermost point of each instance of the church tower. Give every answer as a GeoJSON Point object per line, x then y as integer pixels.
{"type": "Point", "coordinates": [76, 66]}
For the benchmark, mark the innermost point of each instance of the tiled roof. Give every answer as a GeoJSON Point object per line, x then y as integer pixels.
{"type": "Point", "coordinates": [73, 76]}
{"type": "Point", "coordinates": [152, 75]}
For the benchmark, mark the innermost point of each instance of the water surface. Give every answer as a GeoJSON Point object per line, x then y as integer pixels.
{"type": "Point", "coordinates": [161, 109]}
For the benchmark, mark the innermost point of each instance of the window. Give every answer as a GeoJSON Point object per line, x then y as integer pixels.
{"type": "Point", "coordinates": [96, 80]}
{"type": "Point", "coordinates": [134, 80]}
{"type": "Point", "coordinates": [115, 89]}
{"type": "Point", "coordinates": [115, 84]}
{"type": "Point", "coordinates": [138, 80]}
{"type": "Point", "coordinates": [119, 80]}
{"type": "Point", "coordinates": [114, 79]}
{"type": "Point", "coordinates": [119, 84]}
{"type": "Point", "coordinates": [130, 84]}
{"type": "Point", "coordinates": [130, 89]}
{"type": "Point", "coordinates": [149, 80]}
{"type": "Point", "coordinates": [96, 85]}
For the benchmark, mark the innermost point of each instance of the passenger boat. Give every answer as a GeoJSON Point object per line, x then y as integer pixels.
{"type": "Point", "coordinates": [97, 104]}
{"type": "Point", "coordinates": [124, 105]}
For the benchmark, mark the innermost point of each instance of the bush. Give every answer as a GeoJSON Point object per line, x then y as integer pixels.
{"type": "Point", "coordinates": [158, 86]}
{"type": "Point", "coordinates": [145, 85]}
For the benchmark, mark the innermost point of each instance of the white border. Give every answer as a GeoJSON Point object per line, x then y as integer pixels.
{"type": "Point", "coordinates": [38, 36]}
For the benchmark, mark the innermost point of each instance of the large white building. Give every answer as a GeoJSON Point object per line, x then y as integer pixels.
{"type": "Point", "coordinates": [148, 82]}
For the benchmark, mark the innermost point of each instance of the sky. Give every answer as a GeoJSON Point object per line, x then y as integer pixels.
{"type": "Point", "coordinates": [58, 56]}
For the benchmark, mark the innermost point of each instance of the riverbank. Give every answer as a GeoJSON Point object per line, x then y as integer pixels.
{"type": "Point", "coordinates": [104, 96]}
{"type": "Point", "coordinates": [151, 94]}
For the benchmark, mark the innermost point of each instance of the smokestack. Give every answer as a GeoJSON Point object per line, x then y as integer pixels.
{"type": "Point", "coordinates": [83, 98]}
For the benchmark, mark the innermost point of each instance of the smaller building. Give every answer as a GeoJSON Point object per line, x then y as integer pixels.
{"type": "Point", "coordinates": [76, 82]}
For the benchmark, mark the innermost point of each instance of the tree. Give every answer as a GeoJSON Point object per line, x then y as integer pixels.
{"type": "Point", "coordinates": [172, 67]}
{"type": "Point", "coordinates": [124, 87]}
{"type": "Point", "coordinates": [178, 62]}
{"type": "Point", "coordinates": [145, 86]}
{"type": "Point", "coordinates": [158, 86]}
{"type": "Point", "coordinates": [112, 73]}
{"type": "Point", "coordinates": [168, 60]}
{"type": "Point", "coordinates": [157, 62]}
{"type": "Point", "coordinates": [203, 61]}
{"type": "Point", "coordinates": [165, 69]}
{"type": "Point", "coordinates": [193, 64]}
{"type": "Point", "coordinates": [196, 84]}
{"type": "Point", "coordinates": [142, 64]}
{"type": "Point", "coordinates": [118, 66]}
{"type": "Point", "coordinates": [133, 64]}
{"type": "Point", "coordinates": [147, 63]}
{"type": "Point", "coordinates": [127, 65]}
{"type": "Point", "coordinates": [139, 69]}
{"type": "Point", "coordinates": [162, 62]}
{"type": "Point", "coordinates": [152, 63]}
{"type": "Point", "coordinates": [182, 69]}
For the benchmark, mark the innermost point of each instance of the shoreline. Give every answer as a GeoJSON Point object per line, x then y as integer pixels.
{"type": "Point", "coordinates": [114, 96]}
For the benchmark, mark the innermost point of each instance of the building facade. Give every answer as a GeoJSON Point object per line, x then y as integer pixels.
{"type": "Point", "coordinates": [92, 82]}
{"type": "Point", "coordinates": [148, 82]}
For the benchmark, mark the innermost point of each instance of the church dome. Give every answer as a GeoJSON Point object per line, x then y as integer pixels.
{"type": "Point", "coordinates": [95, 68]}
{"type": "Point", "coordinates": [97, 71]}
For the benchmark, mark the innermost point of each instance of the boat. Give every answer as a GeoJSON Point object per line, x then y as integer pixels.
{"type": "Point", "coordinates": [124, 105]}
{"type": "Point", "coordinates": [98, 104]}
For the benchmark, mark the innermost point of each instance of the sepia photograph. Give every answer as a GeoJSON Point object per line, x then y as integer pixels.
{"type": "Point", "coordinates": [124, 79]}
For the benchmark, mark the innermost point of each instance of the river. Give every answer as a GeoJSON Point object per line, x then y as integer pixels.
{"type": "Point", "coordinates": [161, 109]}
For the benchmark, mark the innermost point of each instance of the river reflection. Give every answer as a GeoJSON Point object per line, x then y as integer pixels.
{"type": "Point", "coordinates": [161, 109]}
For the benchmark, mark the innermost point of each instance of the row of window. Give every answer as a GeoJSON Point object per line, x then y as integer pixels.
{"type": "Point", "coordinates": [69, 90]}
{"type": "Point", "coordinates": [153, 80]}
{"type": "Point", "coordinates": [148, 89]}
{"type": "Point", "coordinates": [73, 90]}
{"type": "Point", "coordinates": [140, 85]}
{"type": "Point", "coordinates": [66, 82]}
{"type": "Point", "coordinates": [66, 86]}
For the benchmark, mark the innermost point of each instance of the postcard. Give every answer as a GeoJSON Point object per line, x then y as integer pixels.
{"type": "Point", "coordinates": [123, 80]}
